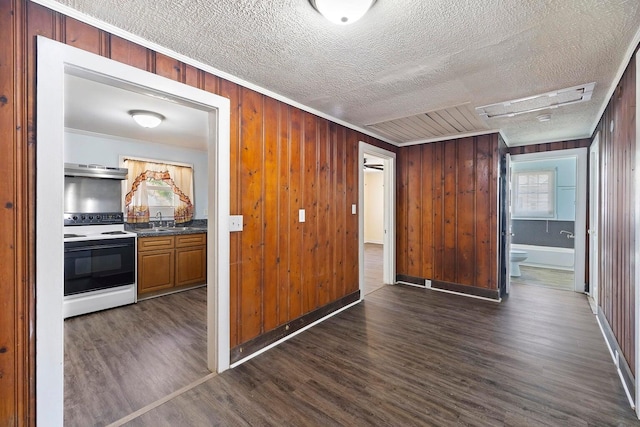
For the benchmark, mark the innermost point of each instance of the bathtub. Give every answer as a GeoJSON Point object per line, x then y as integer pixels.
{"type": "Point", "coordinates": [547, 257]}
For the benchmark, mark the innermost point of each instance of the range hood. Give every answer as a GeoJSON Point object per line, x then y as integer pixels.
{"type": "Point", "coordinates": [94, 171]}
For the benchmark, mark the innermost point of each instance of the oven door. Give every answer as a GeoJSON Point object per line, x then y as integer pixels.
{"type": "Point", "coordinates": [92, 265]}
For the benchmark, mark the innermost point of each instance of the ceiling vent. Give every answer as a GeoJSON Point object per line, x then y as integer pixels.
{"type": "Point", "coordinates": [447, 122]}
{"type": "Point", "coordinates": [531, 104]}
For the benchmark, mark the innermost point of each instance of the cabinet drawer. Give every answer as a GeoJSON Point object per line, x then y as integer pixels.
{"type": "Point", "coordinates": [186, 240]}
{"type": "Point", "coordinates": [155, 243]}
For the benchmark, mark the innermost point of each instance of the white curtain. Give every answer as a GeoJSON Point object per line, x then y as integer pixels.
{"type": "Point", "coordinates": [179, 178]}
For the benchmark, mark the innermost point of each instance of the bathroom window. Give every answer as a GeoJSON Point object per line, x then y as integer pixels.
{"type": "Point", "coordinates": [534, 194]}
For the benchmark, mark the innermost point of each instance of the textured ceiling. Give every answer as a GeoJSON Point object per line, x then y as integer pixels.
{"type": "Point", "coordinates": [405, 57]}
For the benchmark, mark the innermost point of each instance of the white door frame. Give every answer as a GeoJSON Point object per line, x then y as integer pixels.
{"type": "Point", "coordinates": [580, 228]}
{"type": "Point", "coordinates": [637, 237]}
{"type": "Point", "coordinates": [508, 229]}
{"type": "Point", "coordinates": [594, 218]}
{"type": "Point", "coordinates": [389, 215]}
{"type": "Point", "coordinates": [54, 61]}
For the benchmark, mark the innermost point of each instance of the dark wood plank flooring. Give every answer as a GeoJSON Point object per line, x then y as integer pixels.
{"type": "Point", "coordinates": [120, 360]}
{"type": "Point", "coordinates": [409, 356]}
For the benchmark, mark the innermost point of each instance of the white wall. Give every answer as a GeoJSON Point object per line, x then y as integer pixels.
{"type": "Point", "coordinates": [106, 150]}
{"type": "Point", "coordinates": [373, 206]}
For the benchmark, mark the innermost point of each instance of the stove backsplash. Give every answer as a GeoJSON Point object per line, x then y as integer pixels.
{"type": "Point", "coordinates": [92, 195]}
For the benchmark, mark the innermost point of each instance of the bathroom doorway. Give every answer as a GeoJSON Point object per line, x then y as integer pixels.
{"type": "Point", "coordinates": [548, 219]}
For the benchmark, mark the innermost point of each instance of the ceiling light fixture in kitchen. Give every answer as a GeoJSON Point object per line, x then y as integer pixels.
{"type": "Point", "coordinates": [342, 11]}
{"type": "Point", "coordinates": [146, 119]}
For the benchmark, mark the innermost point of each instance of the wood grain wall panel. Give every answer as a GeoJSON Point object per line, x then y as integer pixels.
{"type": "Point", "coordinates": [414, 211]}
{"type": "Point", "coordinates": [252, 236]}
{"type": "Point", "coordinates": [296, 203]}
{"type": "Point", "coordinates": [486, 229]}
{"type": "Point", "coordinates": [310, 204]}
{"type": "Point", "coordinates": [450, 210]}
{"type": "Point", "coordinates": [325, 222]}
{"type": "Point", "coordinates": [353, 166]}
{"type": "Point", "coordinates": [437, 194]}
{"type": "Point", "coordinates": [167, 67]}
{"type": "Point", "coordinates": [466, 211]}
{"type": "Point", "coordinates": [83, 36]}
{"type": "Point", "coordinates": [282, 159]}
{"type": "Point", "coordinates": [128, 53]}
{"type": "Point", "coordinates": [338, 136]}
{"type": "Point", "coordinates": [192, 76]}
{"type": "Point", "coordinates": [284, 213]}
{"type": "Point", "coordinates": [271, 220]}
{"type": "Point", "coordinates": [401, 214]}
{"type": "Point", "coordinates": [427, 208]}
{"type": "Point", "coordinates": [447, 195]}
{"type": "Point", "coordinates": [10, 329]}
{"type": "Point", "coordinates": [550, 146]}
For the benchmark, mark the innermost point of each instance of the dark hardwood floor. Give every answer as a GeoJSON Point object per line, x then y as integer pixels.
{"type": "Point", "coordinates": [409, 356]}
{"type": "Point", "coordinates": [120, 360]}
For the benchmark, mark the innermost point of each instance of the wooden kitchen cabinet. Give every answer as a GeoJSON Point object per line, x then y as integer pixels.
{"type": "Point", "coordinates": [191, 259]}
{"type": "Point", "coordinates": [169, 263]}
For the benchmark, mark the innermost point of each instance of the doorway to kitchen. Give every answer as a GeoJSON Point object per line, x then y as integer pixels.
{"type": "Point", "coordinates": [56, 62]}
{"type": "Point", "coordinates": [548, 219]}
{"type": "Point", "coordinates": [376, 204]}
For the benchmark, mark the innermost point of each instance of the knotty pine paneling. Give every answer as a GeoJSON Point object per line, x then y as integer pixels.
{"type": "Point", "coordinates": [618, 192]}
{"type": "Point", "coordinates": [282, 159]}
{"type": "Point", "coordinates": [447, 211]}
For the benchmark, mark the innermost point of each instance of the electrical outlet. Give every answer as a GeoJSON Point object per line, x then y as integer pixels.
{"type": "Point", "coordinates": [301, 215]}
{"type": "Point", "coordinates": [353, 209]}
{"type": "Point", "coordinates": [427, 283]}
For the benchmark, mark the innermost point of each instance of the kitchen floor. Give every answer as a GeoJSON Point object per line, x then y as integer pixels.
{"type": "Point", "coordinates": [120, 360]}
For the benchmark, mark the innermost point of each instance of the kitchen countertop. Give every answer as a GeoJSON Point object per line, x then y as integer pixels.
{"type": "Point", "coordinates": [167, 231]}
{"type": "Point", "coordinates": [195, 227]}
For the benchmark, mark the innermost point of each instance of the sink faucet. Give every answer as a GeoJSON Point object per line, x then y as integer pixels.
{"type": "Point", "coordinates": [159, 216]}
{"type": "Point", "coordinates": [569, 234]}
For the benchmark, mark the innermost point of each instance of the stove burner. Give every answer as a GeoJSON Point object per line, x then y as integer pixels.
{"type": "Point", "coordinates": [114, 232]}
{"type": "Point", "coordinates": [70, 235]}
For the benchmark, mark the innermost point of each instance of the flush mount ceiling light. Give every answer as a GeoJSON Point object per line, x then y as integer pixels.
{"type": "Point", "coordinates": [342, 11]}
{"type": "Point", "coordinates": [146, 119]}
{"type": "Point", "coordinates": [544, 101]}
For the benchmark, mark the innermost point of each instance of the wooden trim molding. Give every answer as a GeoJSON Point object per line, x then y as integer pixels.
{"type": "Point", "coordinates": [450, 287]}
{"type": "Point", "coordinates": [618, 356]}
{"type": "Point", "coordinates": [250, 347]}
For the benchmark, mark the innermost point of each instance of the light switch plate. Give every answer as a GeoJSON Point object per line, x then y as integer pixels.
{"type": "Point", "coordinates": [353, 209]}
{"type": "Point", "coordinates": [301, 215]}
{"type": "Point", "coordinates": [235, 222]}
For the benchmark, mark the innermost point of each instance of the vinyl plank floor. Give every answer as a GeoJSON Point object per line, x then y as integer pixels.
{"type": "Point", "coordinates": [120, 360]}
{"type": "Point", "coordinates": [373, 279]}
{"type": "Point", "coordinates": [409, 356]}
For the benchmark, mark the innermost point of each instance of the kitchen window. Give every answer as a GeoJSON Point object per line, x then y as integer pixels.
{"type": "Point", "coordinates": [534, 194]}
{"type": "Point", "coordinates": [158, 189]}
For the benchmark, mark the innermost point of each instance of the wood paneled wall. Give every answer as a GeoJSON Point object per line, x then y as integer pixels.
{"type": "Point", "coordinates": [617, 216]}
{"type": "Point", "coordinates": [447, 214]}
{"type": "Point", "coordinates": [550, 146]}
{"type": "Point", "coordinates": [282, 159]}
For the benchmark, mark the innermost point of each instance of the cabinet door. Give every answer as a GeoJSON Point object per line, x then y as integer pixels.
{"type": "Point", "coordinates": [155, 270]}
{"type": "Point", "coordinates": [191, 265]}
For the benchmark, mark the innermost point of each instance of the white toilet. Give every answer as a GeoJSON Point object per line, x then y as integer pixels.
{"type": "Point", "coordinates": [516, 257]}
